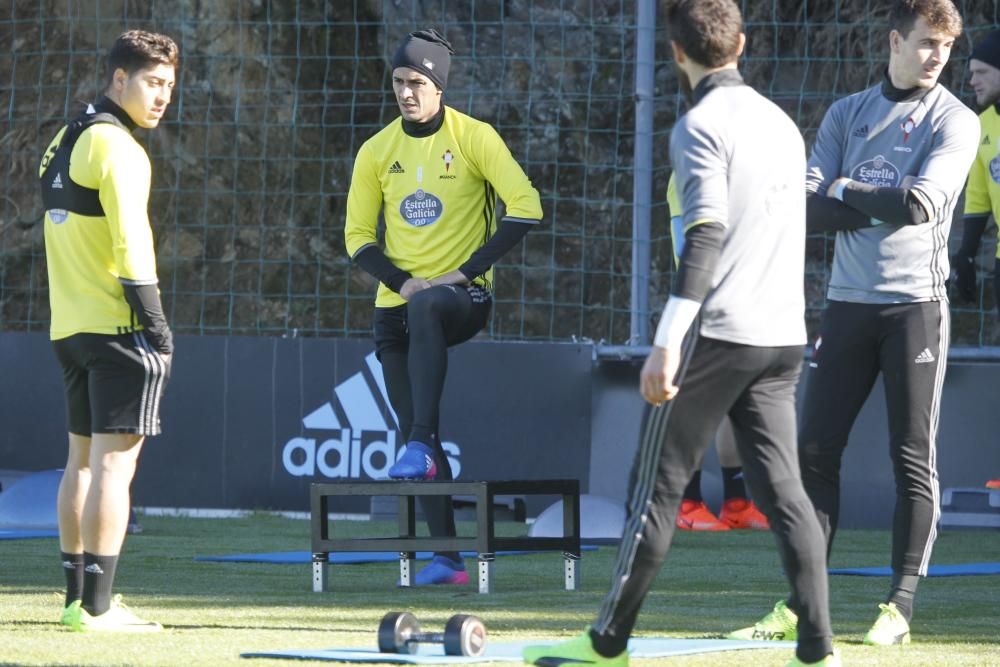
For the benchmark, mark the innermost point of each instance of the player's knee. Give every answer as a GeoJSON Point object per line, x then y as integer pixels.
{"type": "Point", "coordinates": [428, 303]}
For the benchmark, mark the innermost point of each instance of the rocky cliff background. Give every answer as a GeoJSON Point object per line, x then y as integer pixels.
{"type": "Point", "coordinates": [252, 165]}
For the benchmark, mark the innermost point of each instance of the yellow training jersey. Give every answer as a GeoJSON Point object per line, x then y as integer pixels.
{"type": "Point", "coordinates": [88, 257]}
{"type": "Point", "coordinates": [982, 194]}
{"type": "Point", "coordinates": [437, 195]}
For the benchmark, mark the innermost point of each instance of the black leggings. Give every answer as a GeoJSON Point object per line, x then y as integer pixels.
{"type": "Point", "coordinates": [412, 343]}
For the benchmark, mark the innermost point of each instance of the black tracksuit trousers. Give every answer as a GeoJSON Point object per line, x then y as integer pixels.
{"type": "Point", "coordinates": [755, 386]}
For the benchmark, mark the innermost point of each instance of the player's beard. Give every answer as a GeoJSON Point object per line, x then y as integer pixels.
{"type": "Point", "coordinates": [992, 101]}
{"type": "Point", "coordinates": [685, 84]}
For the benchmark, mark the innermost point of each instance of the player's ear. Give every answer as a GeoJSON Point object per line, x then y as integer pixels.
{"type": "Point", "coordinates": [894, 40]}
{"type": "Point", "coordinates": [742, 45]}
{"type": "Point", "coordinates": [678, 52]}
{"type": "Point", "coordinates": [119, 78]}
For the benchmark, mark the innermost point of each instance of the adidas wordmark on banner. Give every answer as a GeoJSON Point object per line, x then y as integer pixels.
{"type": "Point", "coordinates": [355, 435]}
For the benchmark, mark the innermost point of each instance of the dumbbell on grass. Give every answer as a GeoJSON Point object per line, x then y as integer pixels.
{"type": "Point", "coordinates": [399, 632]}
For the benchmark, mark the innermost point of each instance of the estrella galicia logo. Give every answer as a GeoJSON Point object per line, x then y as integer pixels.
{"type": "Point", "coordinates": [58, 215]}
{"type": "Point", "coordinates": [421, 209]}
{"type": "Point", "coordinates": [353, 436]}
{"type": "Point", "coordinates": [995, 169]}
{"type": "Point", "coordinates": [878, 172]}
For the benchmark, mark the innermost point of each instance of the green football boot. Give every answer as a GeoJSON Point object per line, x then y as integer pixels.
{"type": "Point", "coordinates": [890, 628]}
{"type": "Point", "coordinates": [779, 625]}
{"type": "Point", "coordinates": [578, 651]}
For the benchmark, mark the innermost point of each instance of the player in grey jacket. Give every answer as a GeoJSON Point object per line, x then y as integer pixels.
{"type": "Point", "coordinates": [885, 174]}
{"type": "Point", "coordinates": [740, 163]}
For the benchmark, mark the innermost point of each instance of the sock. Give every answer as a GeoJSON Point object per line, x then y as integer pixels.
{"type": "Point", "coordinates": [73, 569]}
{"type": "Point", "coordinates": [732, 483]}
{"type": "Point", "coordinates": [608, 647]}
{"type": "Point", "coordinates": [693, 490]}
{"type": "Point", "coordinates": [423, 435]}
{"type": "Point", "coordinates": [98, 577]}
{"type": "Point", "coordinates": [904, 588]}
{"type": "Point", "coordinates": [813, 650]}
{"type": "Point", "coordinates": [454, 557]}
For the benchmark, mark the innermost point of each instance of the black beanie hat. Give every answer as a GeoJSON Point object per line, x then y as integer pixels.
{"type": "Point", "coordinates": [988, 49]}
{"type": "Point", "coordinates": [428, 52]}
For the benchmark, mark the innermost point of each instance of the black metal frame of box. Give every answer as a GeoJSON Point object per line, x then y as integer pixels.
{"type": "Point", "coordinates": [485, 543]}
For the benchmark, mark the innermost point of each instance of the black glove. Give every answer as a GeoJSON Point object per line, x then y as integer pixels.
{"type": "Point", "coordinates": [964, 274]}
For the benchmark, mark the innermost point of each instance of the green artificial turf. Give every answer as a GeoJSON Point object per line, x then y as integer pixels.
{"type": "Point", "coordinates": [711, 583]}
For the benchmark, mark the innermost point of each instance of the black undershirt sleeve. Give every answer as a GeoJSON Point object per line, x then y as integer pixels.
{"type": "Point", "coordinates": [973, 227]}
{"type": "Point", "coordinates": [508, 235]}
{"type": "Point", "coordinates": [826, 214]}
{"type": "Point", "coordinates": [702, 247]}
{"type": "Point", "coordinates": [373, 261]}
{"type": "Point", "coordinates": [898, 206]}
{"type": "Point", "coordinates": [144, 300]}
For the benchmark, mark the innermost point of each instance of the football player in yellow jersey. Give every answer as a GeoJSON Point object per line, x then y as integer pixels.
{"type": "Point", "coordinates": [982, 194]}
{"type": "Point", "coordinates": [738, 511]}
{"type": "Point", "coordinates": [108, 328]}
{"type": "Point", "coordinates": [434, 174]}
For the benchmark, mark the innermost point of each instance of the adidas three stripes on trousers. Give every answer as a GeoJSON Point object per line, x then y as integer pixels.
{"type": "Point", "coordinates": [908, 344]}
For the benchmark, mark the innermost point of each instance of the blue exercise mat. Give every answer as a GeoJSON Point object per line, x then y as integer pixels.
{"type": "Point", "coordinates": [344, 557]}
{"type": "Point", "coordinates": [433, 654]}
{"type": "Point", "coordinates": [964, 570]}
{"type": "Point", "coordinates": [26, 534]}
{"type": "Point", "coordinates": [29, 504]}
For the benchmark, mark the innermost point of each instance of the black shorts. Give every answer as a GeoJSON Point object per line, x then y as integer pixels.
{"type": "Point", "coordinates": [464, 315]}
{"type": "Point", "coordinates": [113, 383]}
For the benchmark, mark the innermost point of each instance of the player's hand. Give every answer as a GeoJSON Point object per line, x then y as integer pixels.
{"type": "Point", "coordinates": [830, 191]}
{"type": "Point", "coordinates": [412, 286]}
{"type": "Point", "coordinates": [965, 277]}
{"type": "Point", "coordinates": [455, 277]}
{"type": "Point", "coordinates": [656, 381]}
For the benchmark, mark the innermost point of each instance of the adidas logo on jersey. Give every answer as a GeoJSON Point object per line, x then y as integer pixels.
{"type": "Point", "coordinates": [986, 140]}
{"type": "Point", "coordinates": [57, 183]}
{"type": "Point", "coordinates": [396, 168]}
{"type": "Point", "coordinates": [861, 132]}
{"type": "Point", "coordinates": [925, 357]}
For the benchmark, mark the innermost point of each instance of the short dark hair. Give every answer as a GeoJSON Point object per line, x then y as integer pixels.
{"type": "Point", "coordinates": [940, 15]}
{"type": "Point", "coordinates": [707, 30]}
{"type": "Point", "coordinates": [138, 49]}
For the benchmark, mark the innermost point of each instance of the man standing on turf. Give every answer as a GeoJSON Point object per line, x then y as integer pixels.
{"type": "Point", "coordinates": [434, 174]}
{"type": "Point", "coordinates": [885, 173]}
{"type": "Point", "coordinates": [108, 328]}
{"type": "Point", "coordinates": [982, 194]}
{"type": "Point", "coordinates": [741, 177]}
